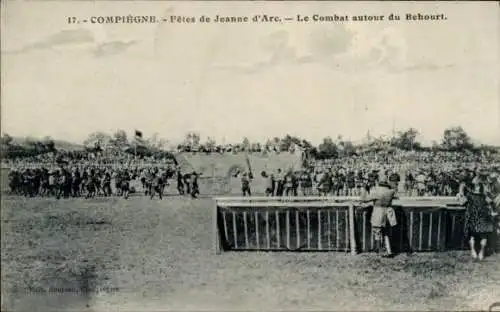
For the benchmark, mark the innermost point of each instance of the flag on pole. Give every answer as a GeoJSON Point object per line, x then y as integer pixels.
{"type": "Point", "coordinates": [138, 140]}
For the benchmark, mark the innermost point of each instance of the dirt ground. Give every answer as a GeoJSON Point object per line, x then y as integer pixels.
{"type": "Point", "coordinates": [142, 255]}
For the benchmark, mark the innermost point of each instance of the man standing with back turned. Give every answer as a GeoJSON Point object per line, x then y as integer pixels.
{"type": "Point", "coordinates": [383, 214]}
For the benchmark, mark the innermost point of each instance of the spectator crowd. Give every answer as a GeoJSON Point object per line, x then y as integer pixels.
{"type": "Point", "coordinates": [411, 173]}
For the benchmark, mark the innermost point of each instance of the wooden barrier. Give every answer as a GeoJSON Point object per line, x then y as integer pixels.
{"type": "Point", "coordinates": [284, 226]}
{"type": "Point", "coordinates": [333, 224]}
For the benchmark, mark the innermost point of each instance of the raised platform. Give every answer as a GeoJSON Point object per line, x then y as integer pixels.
{"type": "Point", "coordinates": [333, 224]}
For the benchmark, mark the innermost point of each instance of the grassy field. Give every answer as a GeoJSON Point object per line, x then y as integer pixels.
{"type": "Point", "coordinates": [142, 255]}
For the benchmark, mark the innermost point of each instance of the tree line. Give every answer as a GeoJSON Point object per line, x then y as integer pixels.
{"type": "Point", "coordinates": [29, 148]}
{"type": "Point", "coordinates": [118, 143]}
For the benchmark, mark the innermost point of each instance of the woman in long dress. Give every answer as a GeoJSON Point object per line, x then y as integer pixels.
{"type": "Point", "coordinates": [479, 223]}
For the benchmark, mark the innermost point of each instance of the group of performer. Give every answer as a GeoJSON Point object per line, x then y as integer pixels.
{"type": "Point", "coordinates": [92, 181]}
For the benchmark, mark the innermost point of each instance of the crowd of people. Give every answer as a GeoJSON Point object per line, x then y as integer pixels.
{"type": "Point", "coordinates": [410, 174]}
{"type": "Point", "coordinates": [90, 181]}
{"type": "Point", "coordinates": [345, 181]}
{"type": "Point", "coordinates": [76, 159]}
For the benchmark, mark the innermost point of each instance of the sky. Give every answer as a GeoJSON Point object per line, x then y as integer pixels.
{"type": "Point", "coordinates": [230, 81]}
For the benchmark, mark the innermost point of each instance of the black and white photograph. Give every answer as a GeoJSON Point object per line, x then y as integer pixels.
{"type": "Point", "coordinates": [250, 156]}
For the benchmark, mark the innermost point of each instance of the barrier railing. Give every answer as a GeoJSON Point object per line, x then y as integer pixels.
{"type": "Point", "coordinates": [332, 224]}
{"type": "Point", "coordinates": [402, 200]}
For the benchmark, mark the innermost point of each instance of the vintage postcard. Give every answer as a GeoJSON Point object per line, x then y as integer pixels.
{"type": "Point", "coordinates": [250, 156]}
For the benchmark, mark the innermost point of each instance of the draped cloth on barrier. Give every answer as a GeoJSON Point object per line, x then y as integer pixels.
{"type": "Point", "coordinates": [333, 224]}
